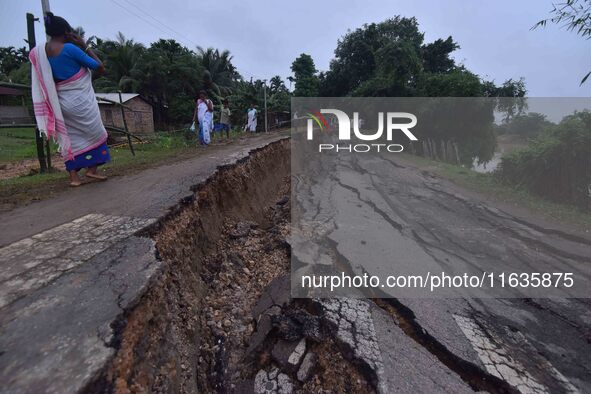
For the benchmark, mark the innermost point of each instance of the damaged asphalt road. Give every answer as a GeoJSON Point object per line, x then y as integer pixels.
{"type": "Point", "coordinates": [501, 341]}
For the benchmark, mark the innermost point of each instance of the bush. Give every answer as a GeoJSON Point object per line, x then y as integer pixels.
{"type": "Point", "coordinates": [557, 164]}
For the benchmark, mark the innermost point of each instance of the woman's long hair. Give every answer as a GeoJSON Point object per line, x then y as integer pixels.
{"type": "Point", "coordinates": [56, 26]}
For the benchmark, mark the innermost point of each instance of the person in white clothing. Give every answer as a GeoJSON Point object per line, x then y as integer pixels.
{"type": "Point", "coordinates": [204, 116]}
{"type": "Point", "coordinates": [252, 119]}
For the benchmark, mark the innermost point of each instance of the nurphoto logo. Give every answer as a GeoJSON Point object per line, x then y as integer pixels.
{"type": "Point", "coordinates": [344, 124]}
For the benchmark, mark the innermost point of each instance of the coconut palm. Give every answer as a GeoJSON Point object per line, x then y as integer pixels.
{"type": "Point", "coordinates": [220, 74]}
{"type": "Point", "coordinates": [90, 41]}
{"type": "Point", "coordinates": [122, 59]}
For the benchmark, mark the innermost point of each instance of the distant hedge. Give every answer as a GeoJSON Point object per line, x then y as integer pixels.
{"type": "Point", "coordinates": [557, 163]}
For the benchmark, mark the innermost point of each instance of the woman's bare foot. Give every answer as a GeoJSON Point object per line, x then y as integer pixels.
{"type": "Point", "coordinates": [91, 173]}
{"type": "Point", "coordinates": [96, 176]}
{"type": "Point", "coordinates": [74, 179]}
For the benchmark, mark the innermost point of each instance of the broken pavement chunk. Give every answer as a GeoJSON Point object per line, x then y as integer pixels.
{"type": "Point", "coordinates": [264, 326]}
{"type": "Point", "coordinates": [268, 382]}
{"type": "Point", "coordinates": [307, 368]}
{"type": "Point", "coordinates": [276, 293]}
{"type": "Point", "coordinates": [288, 354]}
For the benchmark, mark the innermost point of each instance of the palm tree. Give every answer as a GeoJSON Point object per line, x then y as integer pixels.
{"type": "Point", "coordinates": [122, 59]}
{"type": "Point", "coordinates": [90, 41]}
{"type": "Point", "coordinates": [220, 74]}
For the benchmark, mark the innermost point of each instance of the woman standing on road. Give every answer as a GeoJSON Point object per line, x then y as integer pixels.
{"type": "Point", "coordinates": [204, 116]}
{"type": "Point", "coordinates": [64, 101]}
{"type": "Point", "coordinates": [251, 118]}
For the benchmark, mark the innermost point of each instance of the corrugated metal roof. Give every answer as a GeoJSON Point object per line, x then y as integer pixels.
{"type": "Point", "coordinates": [115, 96]}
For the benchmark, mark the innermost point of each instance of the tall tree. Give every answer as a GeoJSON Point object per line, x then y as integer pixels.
{"type": "Point", "coordinates": [358, 55]}
{"type": "Point", "coordinates": [11, 59]}
{"type": "Point", "coordinates": [276, 85]}
{"type": "Point", "coordinates": [306, 80]}
{"type": "Point", "coordinates": [436, 55]}
{"type": "Point", "coordinates": [220, 74]}
{"type": "Point", "coordinates": [122, 59]}
{"type": "Point", "coordinates": [279, 97]}
{"type": "Point", "coordinates": [171, 76]}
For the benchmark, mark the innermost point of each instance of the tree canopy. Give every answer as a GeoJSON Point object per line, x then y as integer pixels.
{"type": "Point", "coordinates": [12, 63]}
{"type": "Point", "coordinates": [305, 78]}
{"type": "Point", "coordinates": [391, 58]}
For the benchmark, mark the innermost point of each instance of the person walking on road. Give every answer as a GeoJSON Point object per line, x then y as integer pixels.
{"type": "Point", "coordinates": [251, 116]}
{"type": "Point", "coordinates": [224, 124]}
{"type": "Point", "coordinates": [204, 116]}
{"type": "Point", "coordinates": [64, 101]}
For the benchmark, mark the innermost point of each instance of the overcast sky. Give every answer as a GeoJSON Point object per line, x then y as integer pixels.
{"type": "Point", "coordinates": [265, 36]}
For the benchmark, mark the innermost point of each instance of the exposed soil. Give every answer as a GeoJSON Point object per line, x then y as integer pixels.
{"type": "Point", "coordinates": [335, 374]}
{"type": "Point", "coordinates": [28, 166]}
{"type": "Point", "coordinates": [250, 255]}
{"type": "Point", "coordinates": [214, 319]}
{"type": "Point", "coordinates": [158, 341]}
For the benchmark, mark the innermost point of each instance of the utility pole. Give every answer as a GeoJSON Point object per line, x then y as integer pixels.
{"type": "Point", "coordinates": [38, 139]}
{"type": "Point", "coordinates": [45, 8]}
{"type": "Point", "coordinates": [265, 95]}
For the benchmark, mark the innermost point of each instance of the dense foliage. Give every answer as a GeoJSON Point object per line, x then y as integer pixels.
{"type": "Point", "coordinates": [167, 74]}
{"type": "Point", "coordinates": [305, 78]}
{"type": "Point", "coordinates": [171, 76]}
{"type": "Point", "coordinates": [526, 125]}
{"type": "Point", "coordinates": [14, 65]}
{"type": "Point", "coordinates": [392, 59]}
{"type": "Point", "coordinates": [557, 163]}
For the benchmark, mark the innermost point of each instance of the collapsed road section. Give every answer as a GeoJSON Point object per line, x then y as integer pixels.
{"type": "Point", "coordinates": [73, 295]}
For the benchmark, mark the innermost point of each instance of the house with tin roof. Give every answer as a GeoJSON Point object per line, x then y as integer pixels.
{"type": "Point", "coordinates": [139, 113]}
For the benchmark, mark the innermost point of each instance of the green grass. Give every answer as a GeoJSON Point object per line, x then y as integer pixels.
{"type": "Point", "coordinates": [490, 186]}
{"type": "Point", "coordinates": [17, 144]}
{"type": "Point", "coordinates": [163, 147]}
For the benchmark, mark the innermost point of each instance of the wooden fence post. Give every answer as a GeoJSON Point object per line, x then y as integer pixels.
{"type": "Point", "coordinates": [125, 124]}
{"type": "Point", "coordinates": [38, 137]}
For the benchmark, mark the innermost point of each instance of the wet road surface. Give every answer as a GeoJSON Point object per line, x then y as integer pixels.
{"type": "Point", "coordinates": [383, 215]}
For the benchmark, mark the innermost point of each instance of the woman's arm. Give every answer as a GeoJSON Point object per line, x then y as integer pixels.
{"type": "Point", "coordinates": [195, 112]}
{"type": "Point", "coordinates": [87, 58]}
{"type": "Point", "coordinates": [100, 70]}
